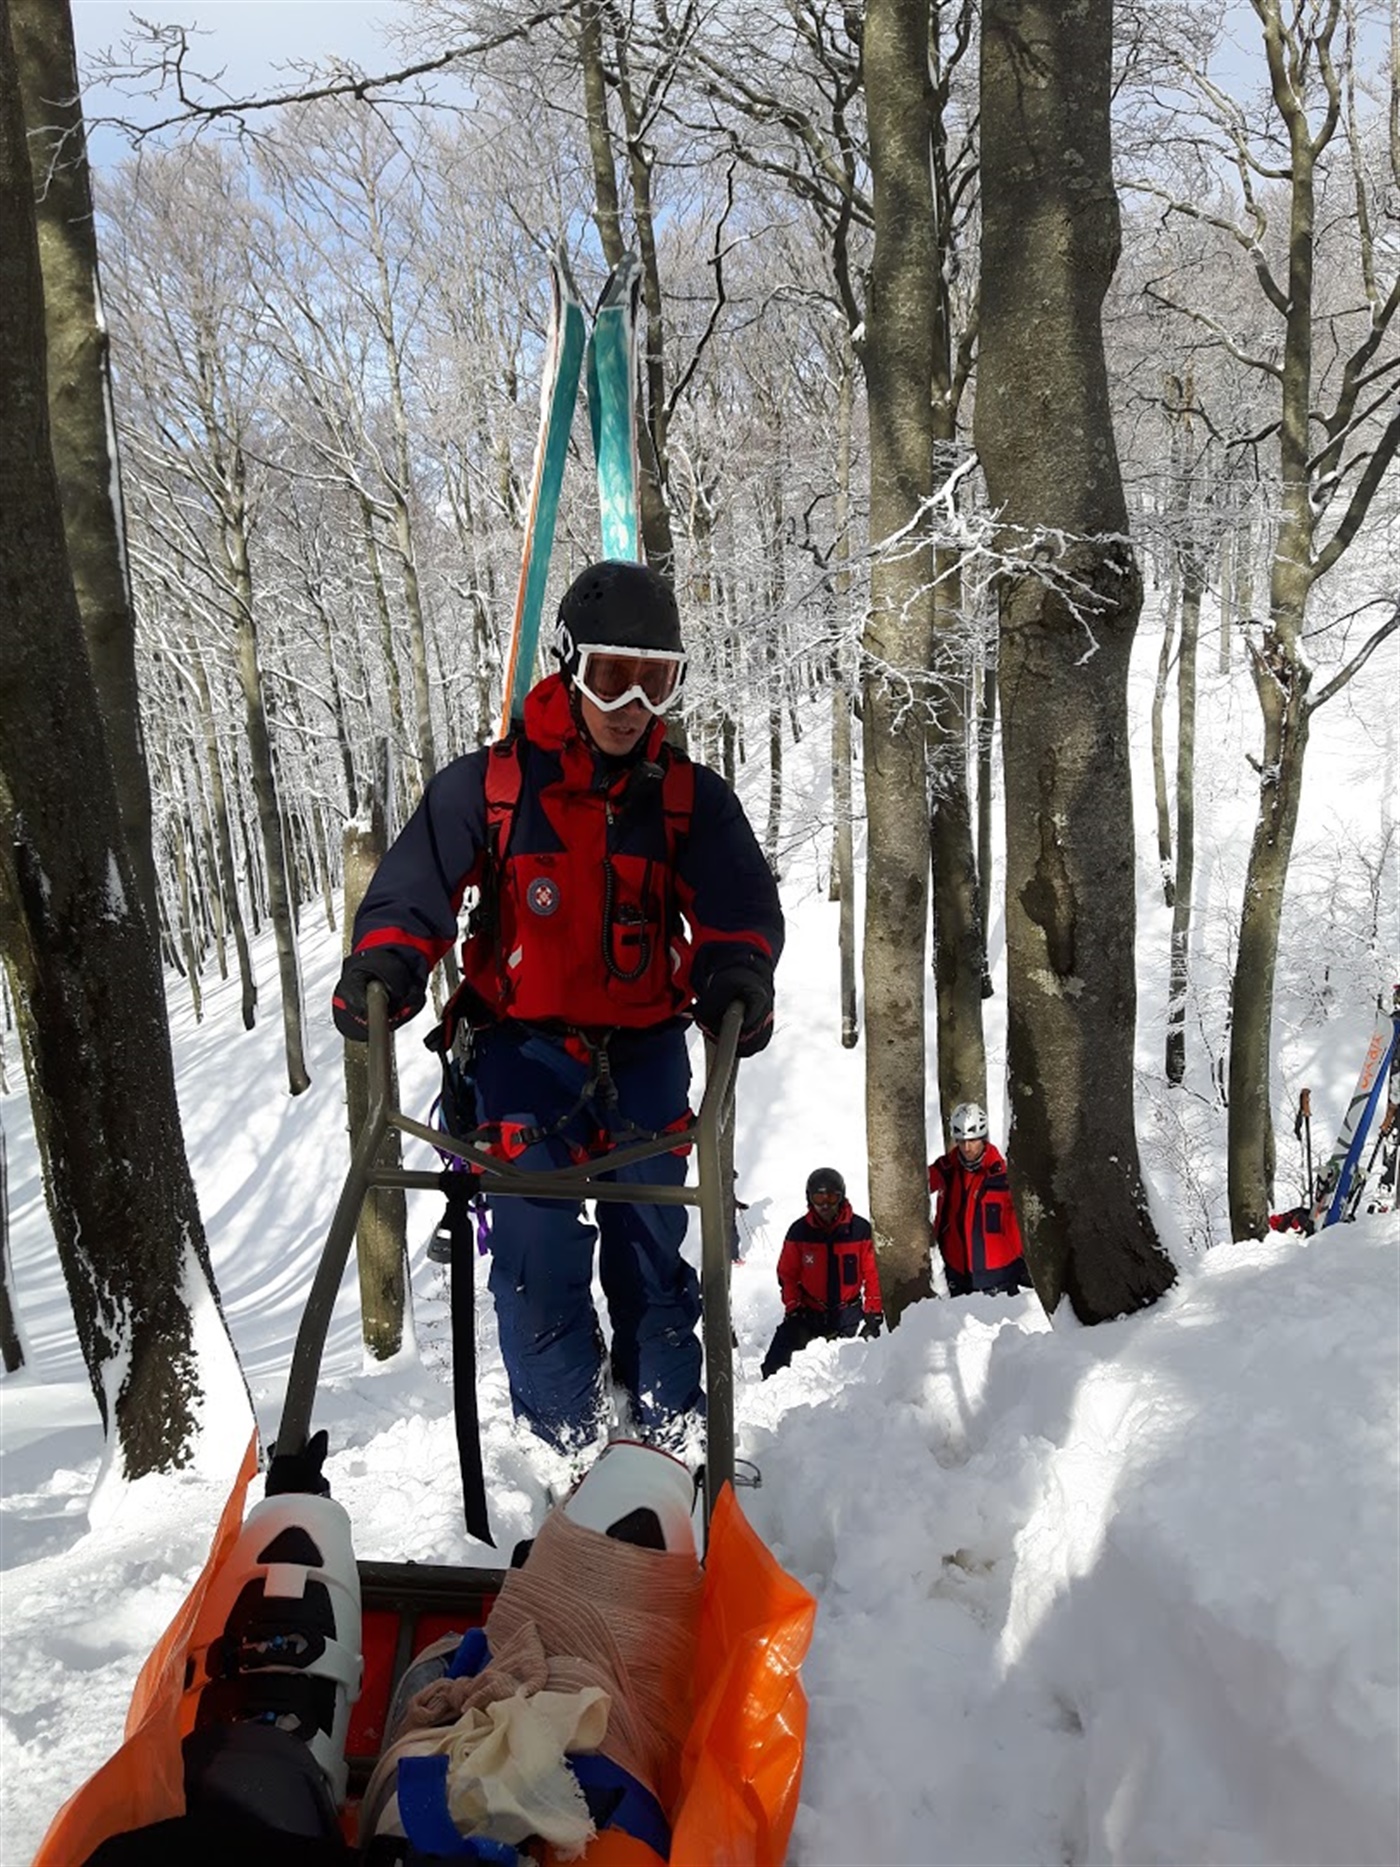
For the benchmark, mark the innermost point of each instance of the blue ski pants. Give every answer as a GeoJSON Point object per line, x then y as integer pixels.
{"type": "Point", "coordinates": [542, 1250]}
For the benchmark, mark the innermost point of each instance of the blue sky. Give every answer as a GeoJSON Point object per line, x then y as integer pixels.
{"type": "Point", "coordinates": [247, 39]}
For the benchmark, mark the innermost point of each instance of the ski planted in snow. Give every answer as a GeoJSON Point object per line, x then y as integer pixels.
{"type": "Point", "coordinates": [1340, 1185]}
{"type": "Point", "coordinates": [563, 362]}
{"type": "Point", "coordinates": [612, 408]}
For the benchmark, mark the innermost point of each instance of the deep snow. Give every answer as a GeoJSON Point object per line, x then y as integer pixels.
{"type": "Point", "coordinates": [1129, 1594]}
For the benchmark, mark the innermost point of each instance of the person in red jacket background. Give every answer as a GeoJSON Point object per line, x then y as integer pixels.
{"type": "Point", "coordinates": [826, 1272]}
{"type": "Point", "coordinates": [974, 1223]}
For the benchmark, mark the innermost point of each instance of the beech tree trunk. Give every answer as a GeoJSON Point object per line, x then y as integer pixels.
{"type": "Point", "coordinates": [82, 955]}
{"type": "Point", "coordinates": [958, 942]}
{"type": "Point", "coordinates": [227, 876]}
{"type": "Point", "coordinates": [82, 424]}
{"type": "Point", "coordinates": [276, 864]}
{"type": "Point", "coordinates": [842, 852]}
{"type": "Point", "coordinates": [1160, 794]}
{"type": "Point", "coordinates": [898, 361]}
{"type": "Point", "coordinates": [381, 1238]}
{"type": "Point", "coordinates": [1069, 607]}
{"type": "Point", "coordinates": [1179, 970]}
{"type": "Point", "coordinates": [11, 1342]}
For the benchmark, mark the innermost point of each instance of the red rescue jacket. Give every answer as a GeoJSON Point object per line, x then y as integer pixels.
{"type": "Point", "coordinates": [612, 893]}
{"type": "Point", "coordinates": [825, 1267]}
{"type": "Point", "coordinates": [975, 1224]}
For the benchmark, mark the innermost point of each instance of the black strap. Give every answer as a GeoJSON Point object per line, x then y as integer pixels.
{"type": "Point", "coordinates": [460, 1228]}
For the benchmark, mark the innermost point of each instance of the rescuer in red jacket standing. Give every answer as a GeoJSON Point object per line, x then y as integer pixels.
{"type": "Point", "coordinates": [620, 894]}
{"type": "Point", "coordinates": [974, 1223]}
{"type": "Point", "coordinates": [826, 1272]}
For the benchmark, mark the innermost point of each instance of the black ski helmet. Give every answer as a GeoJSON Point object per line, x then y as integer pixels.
{"type": "Point", "coordinates": [617, 604]}
{"type": "Point", "coordinates": [825, 1180]}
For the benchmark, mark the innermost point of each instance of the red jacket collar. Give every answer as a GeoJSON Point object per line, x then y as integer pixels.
{"type": "Point", "coordinates": [991, 1161]}
{"type": "Point", "coordinates": [550, 722]}
{"type": "Point", "coordinates": [845, 1213]}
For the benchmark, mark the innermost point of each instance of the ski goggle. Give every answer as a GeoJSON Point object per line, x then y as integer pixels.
{"type": "Point", "coordinates": [612, 677]}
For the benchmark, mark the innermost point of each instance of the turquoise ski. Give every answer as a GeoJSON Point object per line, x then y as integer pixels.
{"type": "Point", "coordinates": [612, 409]}
{"type": "Point", "coordinates": [563, 361]}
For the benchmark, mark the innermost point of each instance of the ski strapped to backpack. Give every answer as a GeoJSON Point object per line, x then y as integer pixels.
{"type": "Point", "coordinates": [563, 361]}
{"type": "Point", "coordinates": [612, 409]}
{"type": "Point", "coordinates": [609, 348]}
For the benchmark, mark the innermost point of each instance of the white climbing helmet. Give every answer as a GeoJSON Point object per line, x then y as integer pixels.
{"type": "Point", "coordinates": [969, 1122]}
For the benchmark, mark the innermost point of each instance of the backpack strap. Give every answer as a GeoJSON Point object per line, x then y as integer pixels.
{"type": "Point", "coordinates": [505, 776]}
{"type": "Point", "coordinates": [677, 799]}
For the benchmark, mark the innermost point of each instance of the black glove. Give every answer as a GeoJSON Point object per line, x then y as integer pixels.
{"type": "Point", "coordinates": [873, 1324]}
{"type": "Point", "coordinates": [750, 980]}
{"type": "Point", "coordinates": [350, 1001]}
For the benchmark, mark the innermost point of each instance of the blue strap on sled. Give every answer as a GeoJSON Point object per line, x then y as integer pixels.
{"type": "Point", "coordinates": [614, 1796]}
{"type": "Point", "coordinates": [616, 1799]}
{"type": "Point", "coordinates": [422, 1792]}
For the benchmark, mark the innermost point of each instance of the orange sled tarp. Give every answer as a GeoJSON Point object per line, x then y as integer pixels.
{"type": "Point", "coordinates": [741, 1770]}
{"type": "Point", "coordinates": [742, 1767]}
{"type": "Point", "coordinates": [143, 1782]}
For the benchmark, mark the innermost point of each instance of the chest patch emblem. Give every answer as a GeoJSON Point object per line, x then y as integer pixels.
{"type": "Point", "coordinates": [542, 896]}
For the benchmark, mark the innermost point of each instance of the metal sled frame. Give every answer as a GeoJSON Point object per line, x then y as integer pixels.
{"type": "Point", "coordinates": [711, 1132]}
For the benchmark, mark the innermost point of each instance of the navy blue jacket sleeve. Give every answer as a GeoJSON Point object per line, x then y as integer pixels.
{"type": "Point", "coordinates": [413, 901]}
{"type": "Point", "coordinates": [728, 893]}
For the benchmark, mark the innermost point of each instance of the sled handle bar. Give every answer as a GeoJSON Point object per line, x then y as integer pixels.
{"type": "Point", "coordinates": [710, 1131]}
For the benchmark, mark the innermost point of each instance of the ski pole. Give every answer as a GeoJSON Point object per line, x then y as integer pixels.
{"type": "Point", "coordinates": [1363, 1179]}
{"type": "Point", "coordinates": [1303, 1121]}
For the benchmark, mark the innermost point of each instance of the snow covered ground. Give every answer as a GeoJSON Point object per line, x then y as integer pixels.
{"type": "Point", "coordinates": [1129, 1594]}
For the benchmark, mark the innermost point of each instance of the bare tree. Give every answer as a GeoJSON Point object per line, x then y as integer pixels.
{"type": "Point", "coordinates": [1331, 364]}
{"type": "Point", "coordinates": [1068, 612]}
{"type": "Point", "coordinates": [898, 637]}
{"type": "Point", "coordinates": [189, 315]}
{"type": "Point", "coordinates": [80, 393]}
{"type": "Point", "coordinates": [81, 954]}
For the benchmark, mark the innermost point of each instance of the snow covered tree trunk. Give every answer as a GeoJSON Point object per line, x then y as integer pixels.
{"type": "Point", "coordinates": [1070, 604]}
{"type": "Point", "coordinates": [385, 620]}
{"type": "Point", "coordinates": [11, 1343]}
{"type": "Point", "coordinates": [986, 740]}
{"type": "Point", "coordinates": [1161, 797]}
{"type": "Point", "coordinates": [842, 854]}
{"type": "Point", "coordinates": [381, 1237]}
{"type": "Point", "coordinates": [898, 360]}
{"type": "Point", "coordinates": [958, 943]}
{"type": "Point", "coordinates": [1183, 881]}
{"type": "Point", "coordinates": [228, 875]}
{"type": "Point", "coordinates": [82, 425]}
{"type": "Point", "coordinates": [81, 953]}
{"type": "Point", "coordinates": [276, 866]}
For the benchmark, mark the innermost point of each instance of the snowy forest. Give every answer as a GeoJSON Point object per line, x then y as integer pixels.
{"type": "Point", "coordinates": [1020, 398]}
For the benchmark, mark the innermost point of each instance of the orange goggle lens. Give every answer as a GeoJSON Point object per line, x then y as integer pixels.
{"type": "Point", "coordinates": [611, 680]}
